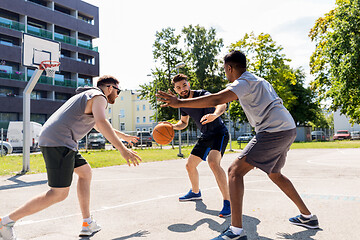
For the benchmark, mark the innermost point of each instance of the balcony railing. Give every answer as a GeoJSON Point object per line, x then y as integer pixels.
{"type": "Point", "coordinates": [14, 76]}
{"type": "Point", "coordinates": [45, 33]}
{"type": "Point", "coordinates": [12, 24]}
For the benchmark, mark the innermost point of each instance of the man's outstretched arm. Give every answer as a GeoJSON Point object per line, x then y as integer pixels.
{"type": "Point", "coordinates": [211, 100]}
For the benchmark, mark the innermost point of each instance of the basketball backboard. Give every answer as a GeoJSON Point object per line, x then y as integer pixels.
{"type": "Point", "coordinates": [37, 49]}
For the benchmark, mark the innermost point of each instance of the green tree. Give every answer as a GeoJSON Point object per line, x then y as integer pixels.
{"type": "Point", "coordinates": [265, 59]}
{"type": "Point", "coordinates": [335, 62]}
{"type": "Point", "coordinates": [202, 49]}
{"type": "Point", "coordinates": [167, 54]}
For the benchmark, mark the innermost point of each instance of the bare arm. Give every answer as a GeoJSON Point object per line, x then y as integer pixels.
{"type": "Point", "coordinates": [219, 110]}
{"type": "Point", "coordinates": [103, 125]}
{"type": "Point", "coordinates": [211, 100]}
{"type": "Point", "coordinates": [182, 123]}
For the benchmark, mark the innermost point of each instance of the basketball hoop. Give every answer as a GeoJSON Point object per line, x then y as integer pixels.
{"type": "Point", "coordinates": [50, 67]}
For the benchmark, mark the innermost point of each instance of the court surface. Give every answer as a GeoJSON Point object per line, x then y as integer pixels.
{"type": "Point", "coordinates": [142, 202]}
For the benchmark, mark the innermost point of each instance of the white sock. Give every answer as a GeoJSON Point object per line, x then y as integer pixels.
{"type": "Point", "coordinates": [88, 220]}
{"type": "Point", "coordinates": [6, 220]}
{"type": "Point", "coordinates": [306, 216]}
{"type": "Point", "coordinates": [236, 230]}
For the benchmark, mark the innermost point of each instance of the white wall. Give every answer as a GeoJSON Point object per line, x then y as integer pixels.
{"type": "Point", "coordinates": [341, 122]}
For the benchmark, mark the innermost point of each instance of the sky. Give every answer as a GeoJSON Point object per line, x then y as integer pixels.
{"type": "Point", "coordinates": [128, 28]}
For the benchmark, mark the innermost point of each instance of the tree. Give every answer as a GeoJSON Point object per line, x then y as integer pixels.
{"type": "Point", "coordinates": [335, 63]}
{"type": "Point", "coordinates": [202, 50]}
{"type": "Point", "coordinates": [167, 54]}
{"type": "Point", "coordinates": [266, 60]}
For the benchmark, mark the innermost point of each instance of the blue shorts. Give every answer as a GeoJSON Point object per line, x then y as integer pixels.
{"type": "Point", "coordinates": [206, 143]}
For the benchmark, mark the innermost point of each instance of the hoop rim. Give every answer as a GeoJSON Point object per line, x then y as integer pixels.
{"type": "Point", "coordinates": [49, 64]}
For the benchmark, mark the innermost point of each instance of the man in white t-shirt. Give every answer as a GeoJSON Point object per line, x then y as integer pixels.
{"type": "Point", "coordinates": [275, 132]}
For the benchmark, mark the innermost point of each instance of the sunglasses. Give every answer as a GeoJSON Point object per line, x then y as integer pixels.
{"type": "Point", "coordinates": [117, 89]}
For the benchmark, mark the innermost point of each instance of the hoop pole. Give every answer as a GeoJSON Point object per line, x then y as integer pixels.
{"type": "Point", "coordinates": [26, 119]}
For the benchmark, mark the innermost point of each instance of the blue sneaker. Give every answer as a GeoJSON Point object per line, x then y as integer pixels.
{"type": "Point", "coordinates": [190, 196]}
{"type": "Point", "coordinates": [226, 211]}
{"type": "Point", "coordinates": [305, 222]}
{"type": "Point", "coordinates": [228, 234]}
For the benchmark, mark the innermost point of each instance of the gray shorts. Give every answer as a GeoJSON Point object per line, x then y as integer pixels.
{"type": "Point", "coordinates": [268, 151]}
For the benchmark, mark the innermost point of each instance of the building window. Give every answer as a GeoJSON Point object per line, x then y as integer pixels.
{"type": "Point", "coordinates": [122, 126]}
{"type": "Point", "coordinates": [150, 107]}
{"type": "Point", "coordinates": [62, 96]}
{"type": "Point", "coordinates": [144, 119]}
{"type": "Point", "coordinates": [122, 98]}
{"type": "Point", "coordinates": [109, 110]}
{"type": "Point", "coordinates": [122, 113]}
{"type": "Point", "coordinates": [138, 119]}
{"type": "Point", "coordinates": [87, 19]}
{"type": "Point", "coordinates": [137, 108]}
{"type": "Point", "coordinates": [38, 95]}
{"type": "Point", "coordinates": [144, 108]}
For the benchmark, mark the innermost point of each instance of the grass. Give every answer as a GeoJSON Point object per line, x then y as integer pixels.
{"type": "Point", "coordinates": [10, 165]}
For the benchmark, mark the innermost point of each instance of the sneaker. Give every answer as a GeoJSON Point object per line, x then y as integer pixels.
{"type": "Point", "coordinates": [226, 211]}
{"type": "Point", "coordinates": [89, 228]}
{"type": "Point", "coordinates": [7, 231]}
{"type": "Point", "coordinates": [190, 196]}
{"type": "Point", "coordinates": [305, 222]}
{"type": "Point", "coordinates": [228, 234]}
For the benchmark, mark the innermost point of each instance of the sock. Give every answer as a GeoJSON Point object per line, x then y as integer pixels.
{"type": "Point", "coordinates": [88, 220]}
{"type": "Point", "coordinates": [227, 202]}
{"type": "Point", "coordinates": [306, 216]}
{"type": "Point", "coordinates": [236, 230]}
{"type": "Point", "coordinates": [6, 220]}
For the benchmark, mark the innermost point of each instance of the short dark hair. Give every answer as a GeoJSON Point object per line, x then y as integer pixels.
{"type": "Point", "coordinates": [178, 78]}
{"type": "Point", "coordinates": [107, 79]}
{"type": "Point", "coordinates": [236, 59]}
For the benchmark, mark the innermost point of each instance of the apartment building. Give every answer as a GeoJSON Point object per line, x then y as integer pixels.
{"type": "Point", "coordinates": [130, 113]}
{"type": "Point", "coordinates": [73, 23]}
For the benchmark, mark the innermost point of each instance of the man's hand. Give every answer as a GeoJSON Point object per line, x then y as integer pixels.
{"type": "Point", "coordinates": [169, 98]}
{"type": "Point", "coordinates": [130, 157]}
{"type": "Point", "coordinates": [131, 139]}
{"type": "Point", "coordinates": [208, 118]}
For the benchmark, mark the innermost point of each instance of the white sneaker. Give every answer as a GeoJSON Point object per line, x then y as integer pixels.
{"type": "Point", "coordinates": [7, 231]}
{"type": "Point", "coordinates": [89, 228]}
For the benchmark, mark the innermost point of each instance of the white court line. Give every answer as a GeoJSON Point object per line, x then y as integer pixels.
{"type": "Point", "coordinates": [20, 223]}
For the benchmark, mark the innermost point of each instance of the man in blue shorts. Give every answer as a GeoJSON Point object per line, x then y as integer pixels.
{"type": "Point", "coordinates": [211, 145]}
{"type": "Point", "coordinates": [275, 132]}
{"type": "Point", "coordinates": [58, 143]}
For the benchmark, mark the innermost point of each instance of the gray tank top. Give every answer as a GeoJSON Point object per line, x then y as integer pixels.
{"type": "Point", "coordinates": [69, 123]}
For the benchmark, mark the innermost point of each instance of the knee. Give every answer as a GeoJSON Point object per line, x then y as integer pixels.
{"type": "Point", "coordinates": [85, 174]}
{"type": "Point", "coordinates": [233, 171]}
{"type": "Point", "coordinates": [213, 165]}
{"type": "Point", "coordinates": [275, 177]}
{"type": "Point", "coordinates": [190, 166]}
{"type": "Point", "coordinates": [59, 195]}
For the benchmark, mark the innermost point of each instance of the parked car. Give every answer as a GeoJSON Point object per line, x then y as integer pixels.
{"type": "Point", "coordinates": [355, 135]}
{"type": "Point", "coordinates": [127, 144]}
{"type": "Point", "coordinates": [245, 137]}
{"type": "Point", "coordinates": [96, 140]}
{"type": "Point", "coordinates": [15, 135]}
{"type": "Point", "coordinates": [145, 138]}
{"type": "Point", "coordinates": [342, 134]}
{"type": "Point", "coordinates": [318, 135]}
{"type": "Point", "coordinates": [6, 148]}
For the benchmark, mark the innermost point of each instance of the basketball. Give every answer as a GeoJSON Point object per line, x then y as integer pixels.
{"type": "Point", "coordinates": [163, 133]}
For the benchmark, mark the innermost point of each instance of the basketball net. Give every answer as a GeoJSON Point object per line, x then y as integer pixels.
{"type": "Point", "coordinates": [50, 67]}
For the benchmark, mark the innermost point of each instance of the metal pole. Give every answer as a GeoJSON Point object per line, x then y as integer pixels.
{"type": "Point", "coordinates": [179, 154]}
{"type": "Point", "coordinates": [2, 143]}
{"type": "Point", "coordinates": [229, 129]}
{"type": "Point", "coordinates": [26, 119]}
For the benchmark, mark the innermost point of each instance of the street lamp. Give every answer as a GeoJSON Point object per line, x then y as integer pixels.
{"type": "Point", "coordinates": [177, 66]}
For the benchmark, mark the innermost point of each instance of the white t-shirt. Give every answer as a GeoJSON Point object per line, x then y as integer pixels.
{"type": "Point", "coordinates": [262, 106]}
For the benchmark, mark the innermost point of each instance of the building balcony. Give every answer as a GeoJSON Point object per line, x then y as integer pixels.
{"type": "Point", "coordinates": [46, 34]}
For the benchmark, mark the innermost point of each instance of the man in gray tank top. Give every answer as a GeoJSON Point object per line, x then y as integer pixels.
{"type": "Point", "coordinates": [58, 143]}
{"type": "Point", "coordinates": [275, 132]}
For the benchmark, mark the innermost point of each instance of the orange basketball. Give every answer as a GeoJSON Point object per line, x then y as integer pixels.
{"type": "Point", "coordinates": [163, 133]}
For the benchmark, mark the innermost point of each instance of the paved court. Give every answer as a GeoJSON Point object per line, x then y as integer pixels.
{"type": "Point", "coordinates": [141, 203]}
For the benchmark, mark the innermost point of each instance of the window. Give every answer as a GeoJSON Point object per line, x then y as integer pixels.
{"type": "Point", "coordinates": [137, 108]}
{"type": "Point", "coordinates": [62, 96]}
{"type": "Point", "coordinates": [138, 119]}
{"type": "Point", "coordinates": [8, 41]}
{"type": "Point", "coordinates": [87, 19]}
{"type": "Point", "coordinates": [40, 2]}
{"type": "Point", "coordinates": [122, 126]}
{"type": "Point", "coordinates": [144, 119]}
{"type": "Point", "coordinates": [109, 110]}
{"type": "Point", "coordinates": [62, 9]}
{"type": "Point", "coordinates": [122, 113]}
{"type": "Point", "coordinates": [38, 95]}
{"type": "Point", "coordinates": [122, 98]}
{"type": "Point", "coordinates": [150, 107]}
{"type": "Point", "coordinates": [8, 91]}
{"type": "Point", "coordinates": [39, 118]}
{"type": "Point", "coordinates": [144, 108]}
